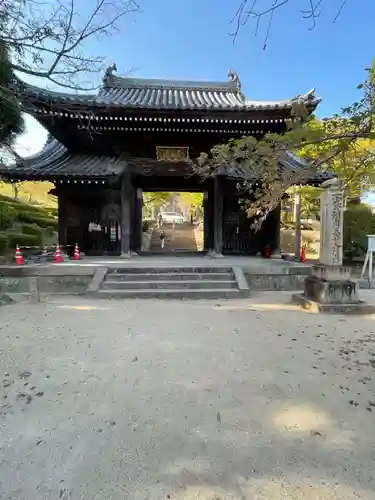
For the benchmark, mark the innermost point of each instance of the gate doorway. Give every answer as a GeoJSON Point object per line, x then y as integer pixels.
{"type": "Point", "coordinates": [172, 222]}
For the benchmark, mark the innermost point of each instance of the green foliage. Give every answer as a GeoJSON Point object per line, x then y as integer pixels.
{"type": "Point", "coordinates": [53, 211]}
{"type": "Point", "coordinates": [193, 199]}
{"type": "Point", "coordinates": [11, 120]}
{"type": "Point", "coordinates": [7, 215]}
{"type": "Point", "coordinates": [351, 159]}
{"type": "Point", "coordinates": [310, 202]}
{"type": "Point", "coordinates": [30, 209]}
{"type": "Point", "coordinates": [3, 243]}
{"type": "Point", "coordinates": [22, 239]}
{"type": "Point", "coordinates": [359, 221]}
{"type": "Point", "coordinates": [267, 170]}
{"type": "Point", "coordinates": [146, 225]}
{"type": "Point", "coordinates": [34, 230]}
{"type": "Point", "coordinates": [37, 219]}
{"type": "Point", "coordinates": [49, 230]}
{"type": "Point", "coordinates": [157, 199]}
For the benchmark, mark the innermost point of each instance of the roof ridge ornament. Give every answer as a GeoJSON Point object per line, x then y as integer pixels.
{"type": "Point", "coordinates": [233, 77]}
{"type": "Point", "coordinates": [108, 75]}
{"type": "Point", "coordinates": [299, 110]}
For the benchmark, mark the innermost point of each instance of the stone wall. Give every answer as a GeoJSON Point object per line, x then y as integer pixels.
{"type": "Point", "coordinates": [18, 281]}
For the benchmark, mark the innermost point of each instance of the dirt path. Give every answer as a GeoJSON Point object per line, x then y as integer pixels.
{"type": "Point", "coordinates": [235, 400]}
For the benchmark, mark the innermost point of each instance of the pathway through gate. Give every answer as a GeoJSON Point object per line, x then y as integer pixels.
{"type": "Point", "coordinates": [181, 237]}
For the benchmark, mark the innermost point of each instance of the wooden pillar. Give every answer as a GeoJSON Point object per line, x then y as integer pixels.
{"type": "Point", "coordinates": [62, 220]}
{"type": "Point", "coordinates": [297, 224]}
{"type": "Point", "coordinates": [136, 218]}
{"type": "Point", "coordinates": [276, 237]}
{"type": "Point", "coordinates": [218, 216]}
{"type": "Point", "coordinates": [206, 221]}
{"type": "Point", "coordinates": [125, 215]}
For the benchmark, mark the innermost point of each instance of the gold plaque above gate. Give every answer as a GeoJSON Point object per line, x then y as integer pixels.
{"type": "Point", "coordinates": [172, 153]}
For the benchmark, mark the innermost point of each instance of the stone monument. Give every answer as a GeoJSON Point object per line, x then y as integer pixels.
{"type": "Point", "coordinates": [330, 287]}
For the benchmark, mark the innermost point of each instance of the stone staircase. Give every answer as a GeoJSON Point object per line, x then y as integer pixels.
{"type": "Point", "coordinates": [173, 282]}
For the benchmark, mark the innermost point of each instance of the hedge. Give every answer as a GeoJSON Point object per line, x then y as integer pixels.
{"type": "Point", "coordinates": [359, 221]}
{"type": "Point", "coordinates": [23, 207]}
{"type": "Point", "coordinates": [34, 230]}
{"type": "Point", "coordinates": [37, 219]}
{"type": "Point", "coordinates": [22, 239]}
{"type": "Point", "coordinates": [53, 211]}
{"type": "Point", "coordinates": [3, 243]}
{"type": "Point", "coordinates": [49, 230]}
{"type": "Point", "coordinates": [7, 215]}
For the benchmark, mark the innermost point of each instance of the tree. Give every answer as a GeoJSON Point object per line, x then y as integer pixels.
{"type": "Point", "coordinates": [47, 39]}
{"type": "Point", "coordinates": [192, 199]}
{"type": "Point", "coordinates": [354, 158]}
{"type": "Point", "coordinates": [11, 120]}
{"type": "Point", "coordinates": [251, 10]}
{"type": "Point", "coordinates": [353, 164]}
{"type": "Point", "coordinates": [154, 201]}
{"type": "Point", "coordinates": [258, 163]}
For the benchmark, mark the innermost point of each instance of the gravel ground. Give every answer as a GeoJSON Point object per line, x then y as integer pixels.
{"type": "Point", "coordinates": [205, 400]}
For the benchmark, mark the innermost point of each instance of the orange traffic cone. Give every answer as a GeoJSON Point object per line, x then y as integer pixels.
{"type": "Point", "coordinates": [18, 256]}
{"type": "Point", "coordinates": [58, 257]}
{"type": "Point", "coordinates": [302, 257]}
{"type": "Point", "coordinates": [76, 252]}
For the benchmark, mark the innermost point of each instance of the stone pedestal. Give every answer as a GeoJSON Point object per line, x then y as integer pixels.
{"type": "Point", "coordinates": [330, 287]}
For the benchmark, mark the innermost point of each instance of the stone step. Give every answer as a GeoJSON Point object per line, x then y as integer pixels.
{"type": "Point", "coordinates": [209, 293]}
{"type": "Point", "coordinates": [166, 270]}
{"type": "Point", "coordinates": [169, 285]}
{"type": "Point", "coordinates": [171, 276]}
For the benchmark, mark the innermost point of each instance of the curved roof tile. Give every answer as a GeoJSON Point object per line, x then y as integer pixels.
{"type": "Point", "coordinates": [54, 161]}
{"type": "Point", "coordinates": [138, 93]}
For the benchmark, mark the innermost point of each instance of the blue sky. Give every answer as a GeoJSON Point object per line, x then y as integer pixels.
{"type": "Point", "coordinates": [189, 39]}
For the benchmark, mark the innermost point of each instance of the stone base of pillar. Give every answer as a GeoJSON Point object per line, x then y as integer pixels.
{"type": "Point", "coordinates": [127, 255]}
{"type": "Point", "coordinates": [276, 254]}
{"type": "Point", "coordinates": [214, 255]}
{"type": "Point", "coordinates": [331, 289]}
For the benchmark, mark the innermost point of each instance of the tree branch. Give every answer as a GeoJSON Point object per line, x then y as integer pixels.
{"type": "Point", "coordinates": [247, 11]}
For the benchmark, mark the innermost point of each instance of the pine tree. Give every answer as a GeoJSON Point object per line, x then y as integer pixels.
{"type": "Point", "coordinates": [11, 119]}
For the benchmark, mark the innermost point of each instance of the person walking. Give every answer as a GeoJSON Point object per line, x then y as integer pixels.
{"type": "Point", "coordinates": [162, 239]}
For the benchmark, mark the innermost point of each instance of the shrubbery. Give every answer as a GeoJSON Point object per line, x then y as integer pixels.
{"type": "Point", "coordinates": [22, 239]}
{"type": "Point", "coordinates": [34, 230]}
{"type": "Point", "coordinates": [53, 211]}
{"type": "Point", "coordinates": [145, 225]}
{"type": "Point", "coordinates": [7, 215]}
{"type": "Point", "coordinates": [3, 243]}
{"type": "Point", "coordinates": [40, 220]}
{"type": "Point", "coordinates": [359, 221]}
{"type": "Point", "coordinates": [24, 224]}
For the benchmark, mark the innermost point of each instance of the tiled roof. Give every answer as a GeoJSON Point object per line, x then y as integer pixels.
{"type": "Point", "coordinates": [54, 162]}
{"type": "Point", "coordinates": [289, 162]}
{"type": "Point", "coordinates": [138, 93]}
